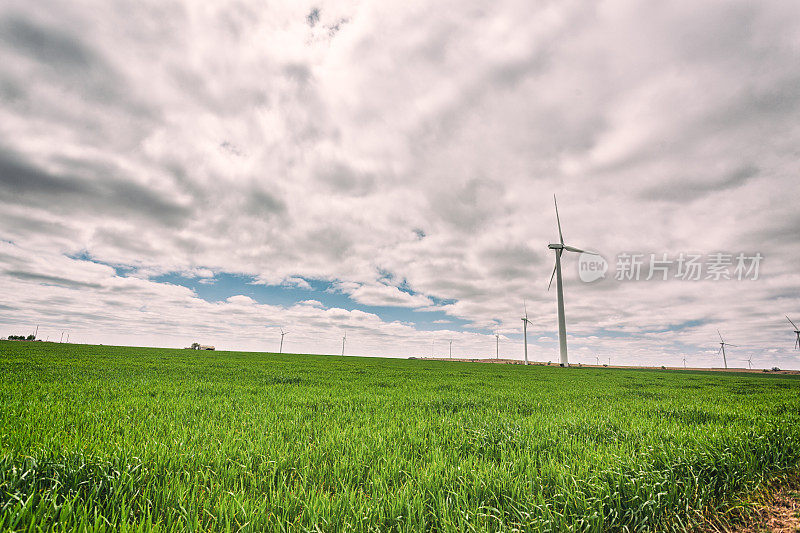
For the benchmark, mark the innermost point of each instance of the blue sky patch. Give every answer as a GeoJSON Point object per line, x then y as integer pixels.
{"type": "Point", "coordinates": [224, 285]}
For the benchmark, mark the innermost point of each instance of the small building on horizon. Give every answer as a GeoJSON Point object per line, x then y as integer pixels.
{"type": "Point", "coordinates": [198, 346]}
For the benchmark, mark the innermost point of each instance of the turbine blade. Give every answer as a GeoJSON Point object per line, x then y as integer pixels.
{"type": "Point", "coordinates": [560, 235]}
{"type": "Point", "coordinates": [525, 305]}
{"type": "Point", "coordinates": [719, 351]}
{"type": "Point", "coordinates": [734, 345]}
{"type": "Point", "coordinates": [798, 341]}
{"type": "Point", "coordinates": [551, 277]}
{"type": "Point", "coordinates": [577, 250]}
{"type": "Point", "coordinates": [573, 249]}
{"type": "Point", "coordinates": [790, 320]}
{"type": "Point", "coordinates": [720, 336]}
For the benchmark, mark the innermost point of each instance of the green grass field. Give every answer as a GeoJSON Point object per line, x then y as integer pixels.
{"type": "Point", "coordinates": [96, 437]}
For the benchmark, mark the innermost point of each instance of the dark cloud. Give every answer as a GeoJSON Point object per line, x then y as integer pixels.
{"type": "Point", "coordinates": [108, 194]}
{"type": "Point", "coordinates": [20, 179]}
{"type": "Point", "coordinates": [344, 179]}
{"type": "Point", "coordinates": [47, 45]}
{"type": "Point", "coordinates": [313, 17]}
{"type": "Point", "coordinates": [27, 226]}
{"type": "Point", "coordinates": [469, 204]}
{"type": "Point", "coordinates": [51, 280]}
{"type": "Point", "coordinates": [693, 188]}
{"type": "Point", "coordinates": [260, 202]}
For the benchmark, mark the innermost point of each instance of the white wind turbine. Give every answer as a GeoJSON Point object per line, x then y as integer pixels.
{"type": "Point", "coordinates": [451, 348]}
{"type": "Point", "coordinates": [283, 334]}
{"type": "Point", "coordinates": [525, 323]}
{"type": "Point", "coordinates": [750, 362]}
{"type": "Point", "coordinates": [344, 338]}
{"type": "Point", "coordinates": [722, 346]}
{"type": "Point", "coordinates": [497, 346]}
{"type": "Point", "coordinates": [559, 249]}
{"type": "Point", "coordinates": [684, 362]}
{"type": "Point", "coordinates": [796, 332]}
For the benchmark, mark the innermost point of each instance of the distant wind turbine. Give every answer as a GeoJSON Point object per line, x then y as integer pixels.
{"type": "Point", "coordinates": [559, 249]}
{"type": "Point", "coordinates": [796, 332]}
{"type": "Point", "coordinates": [283, 334]}
{"type": "Point", "coordinates": [684, 362]}
{"type": "Point", "coordinates": [497, 346]}
{"type": "Point", "coordinates": [750, 362]}
{"type": "Point", "coordinates": [344, 338]}
{"type": "Point", "coordinates": [525, 323]}
{"type": "Point", "coordinates": [722, 346]}
{"type": "Point", "coordinates": [451, 348]}
{"type": "Point", "coordinates": [597, 358]}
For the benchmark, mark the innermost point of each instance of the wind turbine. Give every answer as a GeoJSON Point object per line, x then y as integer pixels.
{"type": "Point", "coordinates": [283, 334]}
{"type": "Point", "coordinates": [559, 248]}
{"type": "Point", "coordinates": [684, 362]}
{"type": "Point", "coordinates": [497, 347]}
{"type": "Point", "coordinates": [344, 338]}
{"type": "Point", "coordinates": [597, 358]}
{"type": "Point", "coordinates": [722, 346]}
{"type": "Point", "coordinates": [796, 332]}
{"type": "Point", "coordinates": [525, 323]}
{"type": "Point", "coordinates": [451, 348]}
{"type": "Point", "coordinates": [750, 362]}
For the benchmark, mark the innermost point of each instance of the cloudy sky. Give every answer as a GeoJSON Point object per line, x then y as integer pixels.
{"type": "Point", "coordinates": [188, 171]}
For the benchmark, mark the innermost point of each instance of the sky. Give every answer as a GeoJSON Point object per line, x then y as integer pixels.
{"type": "Point", "coordinates": [175, 172]}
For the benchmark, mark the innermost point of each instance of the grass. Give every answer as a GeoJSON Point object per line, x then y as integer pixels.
{"type": "Point", "coordinates": [110, 438]}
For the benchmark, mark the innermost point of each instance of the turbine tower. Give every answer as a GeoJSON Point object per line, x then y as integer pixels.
{"type": "Point", "coordinates": [283, 334]}
{"type": "Point", "coordinates": [559, 248]}
{"type": "Point", "coordinates": [497, 346]}
{"type": "Point", "coordinates": [451, 348]}
{"type": "Point", "coordinates": [722, 346]}
{"type": "Point", "coordinates": [796, 332]}
{"type": "Point", "coordinates": [344, 338]}
{"type": "Point", "coordinates": [525, 323]}
{"type": "Point", "coordinates": [684, 362]}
